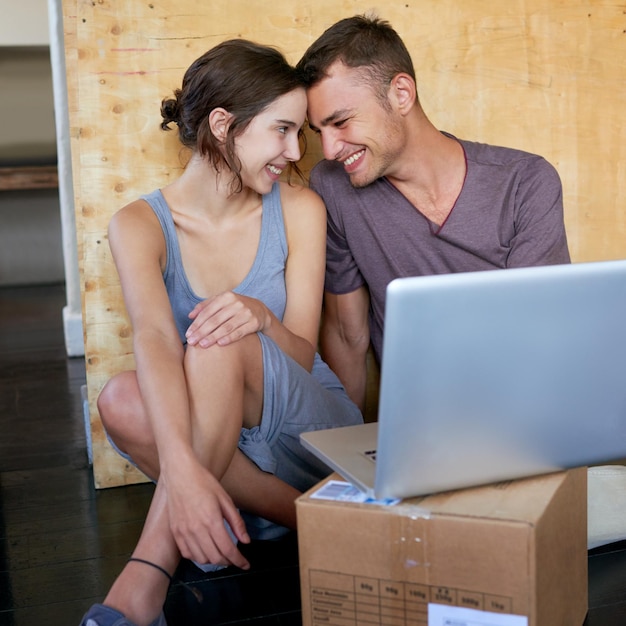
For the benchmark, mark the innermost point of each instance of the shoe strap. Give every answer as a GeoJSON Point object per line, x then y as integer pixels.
{"type": "Point", "coordinates": [161, 569]}
{"type": "Point", "coordinates": [197, 594]}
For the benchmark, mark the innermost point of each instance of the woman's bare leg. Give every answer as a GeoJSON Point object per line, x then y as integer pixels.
{"type": "Point", "coordinates": [254, 491]}
{"type": "Point", "coordinates": [140, 590]}
{"type": "Point", "coordinates": [260, 493]}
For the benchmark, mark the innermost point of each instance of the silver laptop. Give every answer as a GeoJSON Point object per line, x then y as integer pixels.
{"type": "Point", "coordinates": [490, 376]}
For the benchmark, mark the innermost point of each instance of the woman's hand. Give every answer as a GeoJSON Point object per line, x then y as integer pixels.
{"type": "Point", "coordinates": [226, 318]}
{"type": "Point", "coordinates": [198, 506]}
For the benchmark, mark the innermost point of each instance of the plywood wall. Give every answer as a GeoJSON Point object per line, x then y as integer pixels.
{"type": "Point", "coordinates": [547, 76]}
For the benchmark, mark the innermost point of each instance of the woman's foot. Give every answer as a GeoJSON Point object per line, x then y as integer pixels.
{"type": "Point", "coordinates": [138, 591]}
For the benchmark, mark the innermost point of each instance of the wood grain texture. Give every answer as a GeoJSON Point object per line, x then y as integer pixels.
{"type": "Point", "coordinates": [547, 76]}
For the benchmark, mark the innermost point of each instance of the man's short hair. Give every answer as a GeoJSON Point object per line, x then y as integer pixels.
{"type": "Point", "coordinates": [363, 42]}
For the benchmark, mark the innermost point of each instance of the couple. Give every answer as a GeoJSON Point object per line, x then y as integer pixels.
{"type": "Point", "coordinates": [223, 272]}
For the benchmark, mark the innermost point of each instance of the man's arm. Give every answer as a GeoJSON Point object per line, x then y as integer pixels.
{"type": "Point", "coordinates": [345, 339]}
{"type": "Point", "coordinates": [540, 237]}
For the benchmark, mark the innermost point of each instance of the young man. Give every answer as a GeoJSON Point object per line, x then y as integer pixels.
{"type": "Point", "coordinates": [403, 198]}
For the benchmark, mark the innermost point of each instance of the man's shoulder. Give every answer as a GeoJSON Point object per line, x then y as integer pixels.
{"type": "Point", "coordinates": [491, 154]}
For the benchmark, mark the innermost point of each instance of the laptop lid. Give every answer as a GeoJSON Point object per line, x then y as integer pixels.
{"type": "Point", "coordinates": [501, 374]}
{"type": "Point", "coordinates": [494, 375]}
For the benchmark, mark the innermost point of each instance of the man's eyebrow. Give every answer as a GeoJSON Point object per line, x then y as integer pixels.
{"type": "Point", "coordinates": [341, 114]}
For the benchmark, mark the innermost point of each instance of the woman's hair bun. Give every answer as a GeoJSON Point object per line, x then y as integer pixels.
{"type": "Point", "coordinates": [170, 112]}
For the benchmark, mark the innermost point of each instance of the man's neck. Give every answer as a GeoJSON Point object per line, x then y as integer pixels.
{"type": "Point", "coordinates": [433, 173]}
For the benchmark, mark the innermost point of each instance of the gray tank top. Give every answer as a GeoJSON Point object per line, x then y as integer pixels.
{"type": "Point", "coordinates": [265, 280]}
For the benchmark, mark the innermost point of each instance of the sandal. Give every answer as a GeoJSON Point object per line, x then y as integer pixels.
{"type": "Point", "coordinates": [100, 615]}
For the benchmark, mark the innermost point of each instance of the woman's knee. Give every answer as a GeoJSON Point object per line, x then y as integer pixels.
{"type": "Point", "coordinates": [232, 373]}
{"type": "Point", "coordinates": [240, 356]}
{"type": "Point", "coordinates": [117, 401]}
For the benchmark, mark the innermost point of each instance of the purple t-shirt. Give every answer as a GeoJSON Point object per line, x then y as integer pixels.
{"type": "Point", "coordinates": [509, 214]}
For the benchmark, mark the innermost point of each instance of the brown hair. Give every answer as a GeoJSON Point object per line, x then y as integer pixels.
{"type": "Point", "coordinates": [362, 42]}
{"type": "Point", "coordinates": [240, 76]}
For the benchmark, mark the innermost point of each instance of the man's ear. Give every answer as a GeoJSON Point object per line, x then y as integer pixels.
{"type": "Point", "coordinates": [219, 122]}
{"type": "Point", "coordinates": [402, 92]}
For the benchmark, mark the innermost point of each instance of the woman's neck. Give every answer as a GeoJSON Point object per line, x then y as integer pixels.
{"type": "Point", "coordinates": [202, 189]}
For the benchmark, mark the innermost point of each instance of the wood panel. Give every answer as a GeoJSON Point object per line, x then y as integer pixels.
{"type": "Point", "coordinates": [542, 75]}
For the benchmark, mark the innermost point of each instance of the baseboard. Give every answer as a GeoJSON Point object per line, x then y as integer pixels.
{"type": "Point", "coordinates": [73, 327]}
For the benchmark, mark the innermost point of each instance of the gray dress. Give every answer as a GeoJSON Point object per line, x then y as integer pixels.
{"type": "Point", "coordinates": [295, 400]}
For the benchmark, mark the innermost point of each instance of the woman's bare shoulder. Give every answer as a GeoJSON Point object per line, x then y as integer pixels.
{"type": "Point", "coordinates": [136, 215]}
{"type": "Point", "coordinates": [135, 230]}
{"type": "Point", "coordinates": [297, 197]}
{"type": "Point", "coordinates": [136, 210]}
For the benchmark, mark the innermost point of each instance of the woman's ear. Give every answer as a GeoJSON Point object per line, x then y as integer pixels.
{"type": "Point", "coordinates": [403, 92]}
{"type": "Point", "coordinates": [219, 122]}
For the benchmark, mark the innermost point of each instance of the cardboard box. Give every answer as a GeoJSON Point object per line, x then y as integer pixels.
{"type": "Point", "coordinates": [510, 549]}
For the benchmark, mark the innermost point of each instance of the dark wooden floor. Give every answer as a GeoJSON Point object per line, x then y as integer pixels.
{"type": "Point", "coordinates": [62, 542]}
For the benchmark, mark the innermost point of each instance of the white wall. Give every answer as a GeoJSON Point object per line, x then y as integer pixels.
{"type": "Point", "coordinates": [27, 103]}
{"type": "Point", "coordinates": [24, 23]}
{"type": "Point", "coordinates": [30, 220]}
{"type": "Point", "coordinates": [37, 228]}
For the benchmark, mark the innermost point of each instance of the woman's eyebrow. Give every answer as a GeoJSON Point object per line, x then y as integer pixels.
{"type": "Point", "coordinates": [285, 122]}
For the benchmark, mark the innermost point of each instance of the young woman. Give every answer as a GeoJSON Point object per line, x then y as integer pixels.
{"type": "Point", "coordinates": [222, 274]}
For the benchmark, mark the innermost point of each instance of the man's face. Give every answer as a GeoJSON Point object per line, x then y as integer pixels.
{"type": "Point", "coordinates": [355, 127]}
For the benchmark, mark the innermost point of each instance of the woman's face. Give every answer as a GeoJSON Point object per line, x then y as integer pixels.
{"type": "Point", "coordinates": [270, 141]}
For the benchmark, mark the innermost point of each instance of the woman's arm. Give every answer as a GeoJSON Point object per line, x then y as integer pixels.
{"type": "Point", "coordinates": [305, 223]}
{"type": "Point", "coordinates": [138, 248]}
